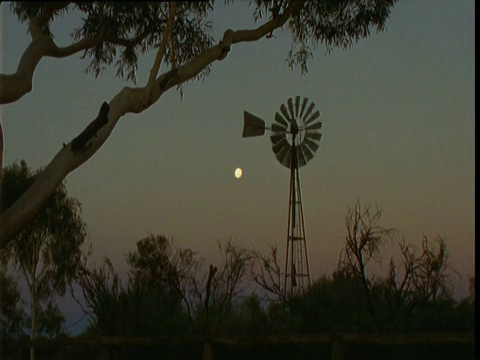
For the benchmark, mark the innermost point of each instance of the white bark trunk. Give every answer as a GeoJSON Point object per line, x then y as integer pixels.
{"type": "Point", "coordinates": [33, 327]}
{"type": "Point", "coordinates": [1, 158]}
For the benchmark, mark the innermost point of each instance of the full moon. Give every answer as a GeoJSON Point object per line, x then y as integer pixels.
{"type": "Point", "coordinates": [238, 173]}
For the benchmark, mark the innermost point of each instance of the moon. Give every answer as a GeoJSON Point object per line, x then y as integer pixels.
{"type": "Point", "coordinates": [238, 173]}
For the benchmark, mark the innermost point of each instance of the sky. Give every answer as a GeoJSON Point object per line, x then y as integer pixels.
{"type": "Point", "coordinates": [398, 131]}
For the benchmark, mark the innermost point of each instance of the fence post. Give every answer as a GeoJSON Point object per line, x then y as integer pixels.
{"type": "Point", "coordinates": [337, 350]}
{"type": "Point", "coordinates": [104, 352]}
{"type": "Point", "coordinates": [207, 351]}
{"type": "Point", "coordinates": [20, 351]}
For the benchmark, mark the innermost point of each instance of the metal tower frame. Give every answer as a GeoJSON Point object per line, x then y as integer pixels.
{"type": "Point", "coordinates": [297, 269]}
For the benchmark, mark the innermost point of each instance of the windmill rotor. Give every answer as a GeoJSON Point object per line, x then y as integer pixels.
{"type": "Point", "coordinates": [298, 129]}
{"type": "Point", "coordinates": [296, 125]}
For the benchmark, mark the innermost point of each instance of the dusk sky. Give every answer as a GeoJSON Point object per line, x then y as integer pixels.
{"type": "Point", "coordinates": [398, 130]}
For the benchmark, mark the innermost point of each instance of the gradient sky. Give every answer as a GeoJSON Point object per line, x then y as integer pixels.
{"type": "Point", "coordinates": [398, 123]}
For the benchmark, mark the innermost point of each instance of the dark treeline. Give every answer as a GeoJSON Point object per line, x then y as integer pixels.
{"type": "Point", "coordinates": [170, 291]}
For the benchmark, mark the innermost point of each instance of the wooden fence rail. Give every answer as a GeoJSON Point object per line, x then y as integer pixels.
{"type": "Point", "coordinates": [336, 340]}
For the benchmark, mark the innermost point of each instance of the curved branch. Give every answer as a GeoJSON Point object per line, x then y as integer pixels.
{"type": "Point", "coordinates": [92, 41]}
{"type": "Point", "coordinates": [86, 43]}
{"type": "Point", "coordinates": [15, 86]}
{"type": "Point", "coordinates": [44, 17]}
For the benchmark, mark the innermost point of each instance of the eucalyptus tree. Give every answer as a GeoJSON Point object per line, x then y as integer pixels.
{"type": "Point", "coordinates": [116, 33]}
{"type": "Point", "coordinates": [48, 250]}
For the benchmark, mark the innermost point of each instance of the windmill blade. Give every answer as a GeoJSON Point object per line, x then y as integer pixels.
{"type": "Point", "coordinates": [305, 101]}
{"type": "Point", "coordinates": [315, 126]}
{"type": "Point", "coordinates": [283, 109]}
{"type": "Point", "coordinates": [306, 151]}
{"type": "Point", "coordinates": [311, 144]}
{"type": "Point", "coordinates": [301, 157]}
{"type": "Point", "coordinates": [309, 110]}
{"type": "Point", "coordinates": [278, 146]}
{"type": "Point", "coordinates": [279, 118]}
{"type": "Point", "coordinates": [315, 115]}
{"type": "Point", "coordinates": [279, 128]}
{"type": "Point", "coordinates": [313, 135]}
{"type": "Point", "coordinates": [297, 104]}
{"type": "Point", "coordinates": [290, 108]}
{"type": "Point", "coordinates": [287, 158]}
{"type": "Point", "coordinates": [283, 147]}
{"type": "Point", "coordinates": [275, 138]}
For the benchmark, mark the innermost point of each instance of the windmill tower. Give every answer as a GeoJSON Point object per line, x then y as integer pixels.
{"type": "Point", "coordinates": [295, 137]}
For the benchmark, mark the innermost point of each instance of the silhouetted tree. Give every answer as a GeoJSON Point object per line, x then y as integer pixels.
{"type": "Point", "coordinates": [363, 242]}
{"type": "Point", "coordinates": [102, 290]}
{"type": "Point", "coordinates": [47, 251]}
{"type": "Point", "coordinates": [220, 290]}
{"type": "Point", "coordinates": [228, 284]}
{"type": "Point", "coordinates": [115, 33]}
{"type": "Point", "coordinates": [12, 316]}
{"type": "Point", "coordinates": [156, 263]}
{"type": "Point", "coordinates": [267, 273]}
{"type": "Point", "coordinates": [160, 278]}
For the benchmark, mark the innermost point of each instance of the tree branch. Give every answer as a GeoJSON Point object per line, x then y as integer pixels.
{"type": "Point", "coordinates": [161, 52]}
{"type": "Point", "coordinates": [86, 43]}
{"type": "Point", "coordinates": [15, 86]}
{"type": "Point", "coordinates": [80, 142]}
{"type": "Point", "coordinates": [44, 17]}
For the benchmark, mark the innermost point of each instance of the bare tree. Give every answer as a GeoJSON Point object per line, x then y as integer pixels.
{"type": "Point", "coordinates": [227, 284]}
{"type": "Point", "coordinates": [101, 288]}
{"type": "Point", "coordinates": [431, 280]}
{"type": "Point", "coordinates": [401, 280]}
{"type": "Point", "coordinates": [268, 275]}
{"type": "Point", "coordinates": [114, 33]}
{"type": "Point", "coordinates": [363, 242]}
{"type": "Point", "coordinates": [419, 278]}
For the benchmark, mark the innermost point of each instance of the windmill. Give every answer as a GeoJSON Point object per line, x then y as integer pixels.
{"type": "Point", "coordinates": [295, 137]}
